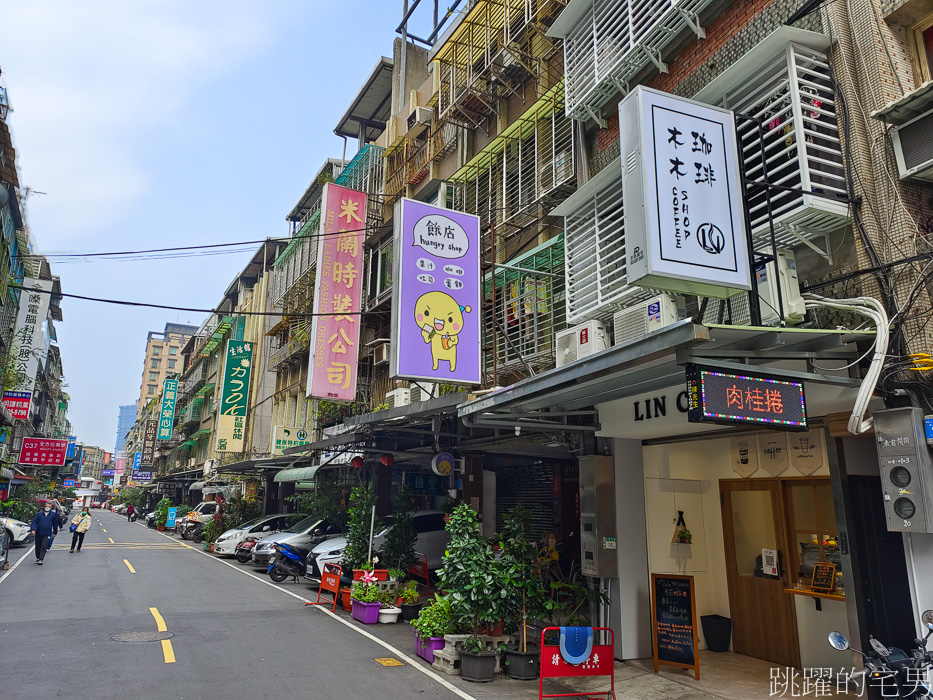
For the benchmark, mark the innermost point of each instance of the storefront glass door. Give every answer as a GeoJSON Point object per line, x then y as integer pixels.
{"type": "Point", "coordinates": [763, 617]}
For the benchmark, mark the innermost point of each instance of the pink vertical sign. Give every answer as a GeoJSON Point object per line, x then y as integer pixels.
{"type": "Point", "coordinates": [338, 294]}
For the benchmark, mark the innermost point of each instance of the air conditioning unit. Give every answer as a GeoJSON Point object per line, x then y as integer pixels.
{"type": "Point", "coordinates": [767, 281]}
{"type": "Point", "coordinates": [419, 120]}
{"type": "Point", "coordinates": [563, 166]}
{"type": "Point", "coordinates": [381, 354]}
{"type": "Point", "coordinates": [398, 397]}
{"type": "Point", "coordinates": [581, 341]}
{"type": "Point", "coordinates": [647, 316]}
{"type": "Point", "coordinates": [422, 391]}
{"type": "Point", "coordinates": [913, 148]}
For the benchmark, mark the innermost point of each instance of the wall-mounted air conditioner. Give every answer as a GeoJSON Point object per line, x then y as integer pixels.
{"type": "Point", "coordinates": [581, 341]}
{"type": "Point", "coordinates": [398, 397]}
{"type": "Point", "coordinates": [563, 166]}
{"type": "Point", "coordinates": [767, 281]}
{"type": "Point", "coordinates": [647, 316]}
{"type": "Point", "coordinates": [913, 148]}
{"type": "Point", "coordinates": [419, 120]}
{"type": "Point", "coordinates": [381, 354]}
{"type": "Point", "coordinates": [422, 391]}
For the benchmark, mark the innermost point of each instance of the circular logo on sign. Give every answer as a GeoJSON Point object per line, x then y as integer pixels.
{"type": "Point", "coordinates": [710, 238]}
{"type": "Point", "coordinates": [302, 434]}
{"type": "Point", "coordinates": [442, 464]}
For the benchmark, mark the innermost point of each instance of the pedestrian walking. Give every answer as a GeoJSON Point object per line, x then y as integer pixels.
{"type": "Point", "coordinates": [44, 526]}
{"type": "Point", "coordinates": [129, 513]}
{"type": "Point", "coordinates": [80, 524]}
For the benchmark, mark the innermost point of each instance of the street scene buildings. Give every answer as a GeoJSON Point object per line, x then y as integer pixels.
{"type": "Point", "coordinates": [657, 273]}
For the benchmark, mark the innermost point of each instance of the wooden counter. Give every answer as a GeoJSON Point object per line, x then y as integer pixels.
{"type": "Point", "coordinates": [814, 594]}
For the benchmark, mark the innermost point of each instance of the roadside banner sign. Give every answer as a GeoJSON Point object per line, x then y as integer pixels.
{"type": "Point", "coordinates": [234, 397]}
{"type": "Point", "coordinates": [170, 521]}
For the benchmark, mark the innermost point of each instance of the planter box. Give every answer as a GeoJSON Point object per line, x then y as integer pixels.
{"type": "Point", "coordinates": [367, 613]}
{"type": "Point", "coordinates": [478, 668]}
{"type": "Point", "coordinates": [389, 615]}
{"type": "Point", "coordinates": [522, 665]}
{"type": "Point", "coordinates": [426, 648]}
{"type": "Point", "coordinates": [380, 574]}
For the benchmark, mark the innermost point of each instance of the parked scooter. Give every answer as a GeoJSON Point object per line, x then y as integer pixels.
{"type": "Point", "coordinates": [192, 530]}
{"type": "Point", "coordinates": [891, 668]}
{"type": "Point", "coordinates": [244, 550]}
{"type": "Point", "coordinates": [288, 562]}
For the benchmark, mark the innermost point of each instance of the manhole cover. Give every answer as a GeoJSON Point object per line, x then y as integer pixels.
{"type": "Point", "coordinates": [142, 636]}
{"type": "Point", "coordinates": [389, 661]}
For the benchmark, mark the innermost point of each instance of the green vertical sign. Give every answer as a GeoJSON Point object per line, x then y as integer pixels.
{"type": "Point", "coordinates": [234, 396]}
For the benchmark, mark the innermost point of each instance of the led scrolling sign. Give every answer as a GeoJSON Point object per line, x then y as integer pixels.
{"type": "Point", "coordinates": [729, 398]}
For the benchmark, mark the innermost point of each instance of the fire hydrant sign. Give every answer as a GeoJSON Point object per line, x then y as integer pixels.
{"type": "Point", "coordinates": [43, 452]}
{"type": "Point", "coordinates": [234, 397]}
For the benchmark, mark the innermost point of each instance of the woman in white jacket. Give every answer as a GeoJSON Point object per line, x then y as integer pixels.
{"type": "Point", "coordinates": [82, 521]}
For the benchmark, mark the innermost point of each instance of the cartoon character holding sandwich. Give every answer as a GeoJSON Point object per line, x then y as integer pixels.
{"type": "Point", "coordinates": [440, 319]}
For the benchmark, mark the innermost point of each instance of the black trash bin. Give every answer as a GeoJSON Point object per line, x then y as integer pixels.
{"type": "Point", "coordinates": [718, 632]}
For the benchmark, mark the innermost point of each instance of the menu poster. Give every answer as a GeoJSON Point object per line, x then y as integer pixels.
{"type": "Point", "coordinates": [824, 577]}
{"type": "Point", "coordinates": [673, 622]}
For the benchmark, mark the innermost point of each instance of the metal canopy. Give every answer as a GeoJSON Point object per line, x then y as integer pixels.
{"type": "Point", "coordinates": [298, 474]}
{"type": "Point", "coordinates": [277, 462]}
{"type": "Point", "coordinates": [910, 106]}
{"type": "Point", "coordinates": [367, 115]}
{"type": "Point", "coordinates": [657, 361]}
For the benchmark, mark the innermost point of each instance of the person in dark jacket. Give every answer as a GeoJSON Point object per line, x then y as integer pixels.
{"type": "Point", "coordinates": [44, 526]}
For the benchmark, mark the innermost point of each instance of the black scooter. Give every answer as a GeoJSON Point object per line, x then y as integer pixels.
{"type": "Point", "coordinates": [891, 668]}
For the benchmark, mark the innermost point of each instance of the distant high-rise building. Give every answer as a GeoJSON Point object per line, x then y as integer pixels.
{"type": "Point", "coordinates": [163, 357]}
{"type": "Point", "coordinates": [125, 422]}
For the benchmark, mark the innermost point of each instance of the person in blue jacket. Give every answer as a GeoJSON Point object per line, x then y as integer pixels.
{"type": "Point", "coordinates": [44, 526]}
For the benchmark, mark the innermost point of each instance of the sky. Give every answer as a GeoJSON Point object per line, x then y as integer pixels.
{"type": "Point", "coordinates": [159, 123]}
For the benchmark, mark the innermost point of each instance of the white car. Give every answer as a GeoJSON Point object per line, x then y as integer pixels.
{"type": "Point", "coordinates": [432, 541]}
{"type": "Point", "coordinates": [259, 527]}
{"type": "Point", "coordinates": [18, 531]}
{"type": "Point", "coordinates": [120, 508]}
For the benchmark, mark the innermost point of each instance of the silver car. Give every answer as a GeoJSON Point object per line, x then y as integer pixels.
{"type": "Point", "coordinates": [303, 536]}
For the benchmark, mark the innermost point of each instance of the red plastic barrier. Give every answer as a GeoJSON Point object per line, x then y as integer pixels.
{"type": "Point", "coordinates": [600, 663]}
{"type": "Point", "coordinates": [330, 583]}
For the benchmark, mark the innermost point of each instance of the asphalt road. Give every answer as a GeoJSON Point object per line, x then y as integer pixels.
{"type": "Point", "coordinates": [233, 634]}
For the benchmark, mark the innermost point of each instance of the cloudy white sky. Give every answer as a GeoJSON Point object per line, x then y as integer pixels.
{"type": "Point", "coordinates": [156, 123]}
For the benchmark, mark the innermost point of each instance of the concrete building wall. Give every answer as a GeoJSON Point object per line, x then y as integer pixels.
{"type": "Point", "coordinates": [163, 357]}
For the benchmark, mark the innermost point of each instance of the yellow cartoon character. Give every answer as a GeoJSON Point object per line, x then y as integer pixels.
{"type": "Point", "coordinates": [440, 319]}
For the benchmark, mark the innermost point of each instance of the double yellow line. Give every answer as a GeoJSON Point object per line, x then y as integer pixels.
{"type": "Point", "coordinates": [167, 651]}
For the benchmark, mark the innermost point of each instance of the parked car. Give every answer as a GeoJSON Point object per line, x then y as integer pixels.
{"type": "Point", "coordinates": [303, 536]}
{"type": "Point", "coordinates": [120, 508]}
{"type": "Point", "coordinates": [18, 531]}
{"type": "Point", "coordinates": [205, 509]}
{"type": "Point", "coordinates": [258, 527]}
{"type": "Point", "coordinates": [432, 541]}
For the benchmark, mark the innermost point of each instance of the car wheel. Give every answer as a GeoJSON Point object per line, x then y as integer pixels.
{"type": "Point", "coordinates": [242, 557]}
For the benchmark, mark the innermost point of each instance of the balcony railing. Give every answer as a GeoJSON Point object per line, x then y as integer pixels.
{"type": "Point", "coordinates": [297, 346]}
{"type": "Point", "coordinates": [366, 173]}
{"type": "Point", "coordinates": [294, 268]}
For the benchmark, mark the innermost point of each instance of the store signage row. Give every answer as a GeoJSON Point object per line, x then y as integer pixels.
{"type": "Point", "coordinates": [682, 194]}
{"type": "Point", "coordinates": [234, 396]}
{"type": "Point", "coordinates": [43, 452]}
{"type": "Point", "coordinates": [68, 483]}
{"type": "Point", "coordinates": [29, 344]}
{"type": "Point", "coordinates": [436, 304]}
{"type": "Point", "coordinates": [726, 397]}
{"type": "Point", "coordinates": [167, 415]}
{"type": "Point", "coordinates": [338, 294]}
{"type": "Point", "coordinates": [142, 476]}
{"type": "Point", "coordinates": [284, 436]}
{"type": "Point", "coordinates": [149, 441]}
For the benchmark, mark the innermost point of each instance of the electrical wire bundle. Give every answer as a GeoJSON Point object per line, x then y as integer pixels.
{"type": "Point", "coordinates": [874, 311]}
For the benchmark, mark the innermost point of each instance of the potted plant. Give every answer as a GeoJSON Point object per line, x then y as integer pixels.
{"type": "Point", "coordinates": [364, 596]}
{"type": "Point", "coordinates": [408, 600]}
{"type": "Point", "coordinates": [470, 575]}
{"type": "Point", "coordinates": [526, 599]}
{"type": "Point", "coordinates": [345, 600]}
{"type": "Point", "coordinates": [684, 536]}
{"type": "Point", "coordinates": [161, 513]}
{"type": "Point", "coordinates": [398, 550]}
{"type": "Point", "coordinates": [388, 612]}
{"type": "Point", "coordinates": [432, 623]}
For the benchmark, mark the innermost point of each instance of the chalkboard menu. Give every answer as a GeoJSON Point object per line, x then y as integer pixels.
{"type": "Point", "coordinates": [824, 577]}
{"type": "Point", "coordinates": [673, 622]}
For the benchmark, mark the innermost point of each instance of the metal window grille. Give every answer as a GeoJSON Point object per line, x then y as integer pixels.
{"type": "Point", "coordinates": [366, 173]}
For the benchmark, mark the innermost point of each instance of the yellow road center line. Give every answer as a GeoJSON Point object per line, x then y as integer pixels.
{"type": "Point", "coordinates": [111, 540]}
{"type": "Point", "coordinates": [167, 651]}
{"type": "Point", "coordinates": [157, 616]}
{"type": "Point", "coordinates": [104, 529]}
{"type": "Point", "coordinates": [130, 567]}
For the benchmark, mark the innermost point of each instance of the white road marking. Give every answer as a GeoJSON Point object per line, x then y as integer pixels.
{"type": "Point", "coordinates": [397, 652]}
{"type": "Point", "coordinates": [18, 562]}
